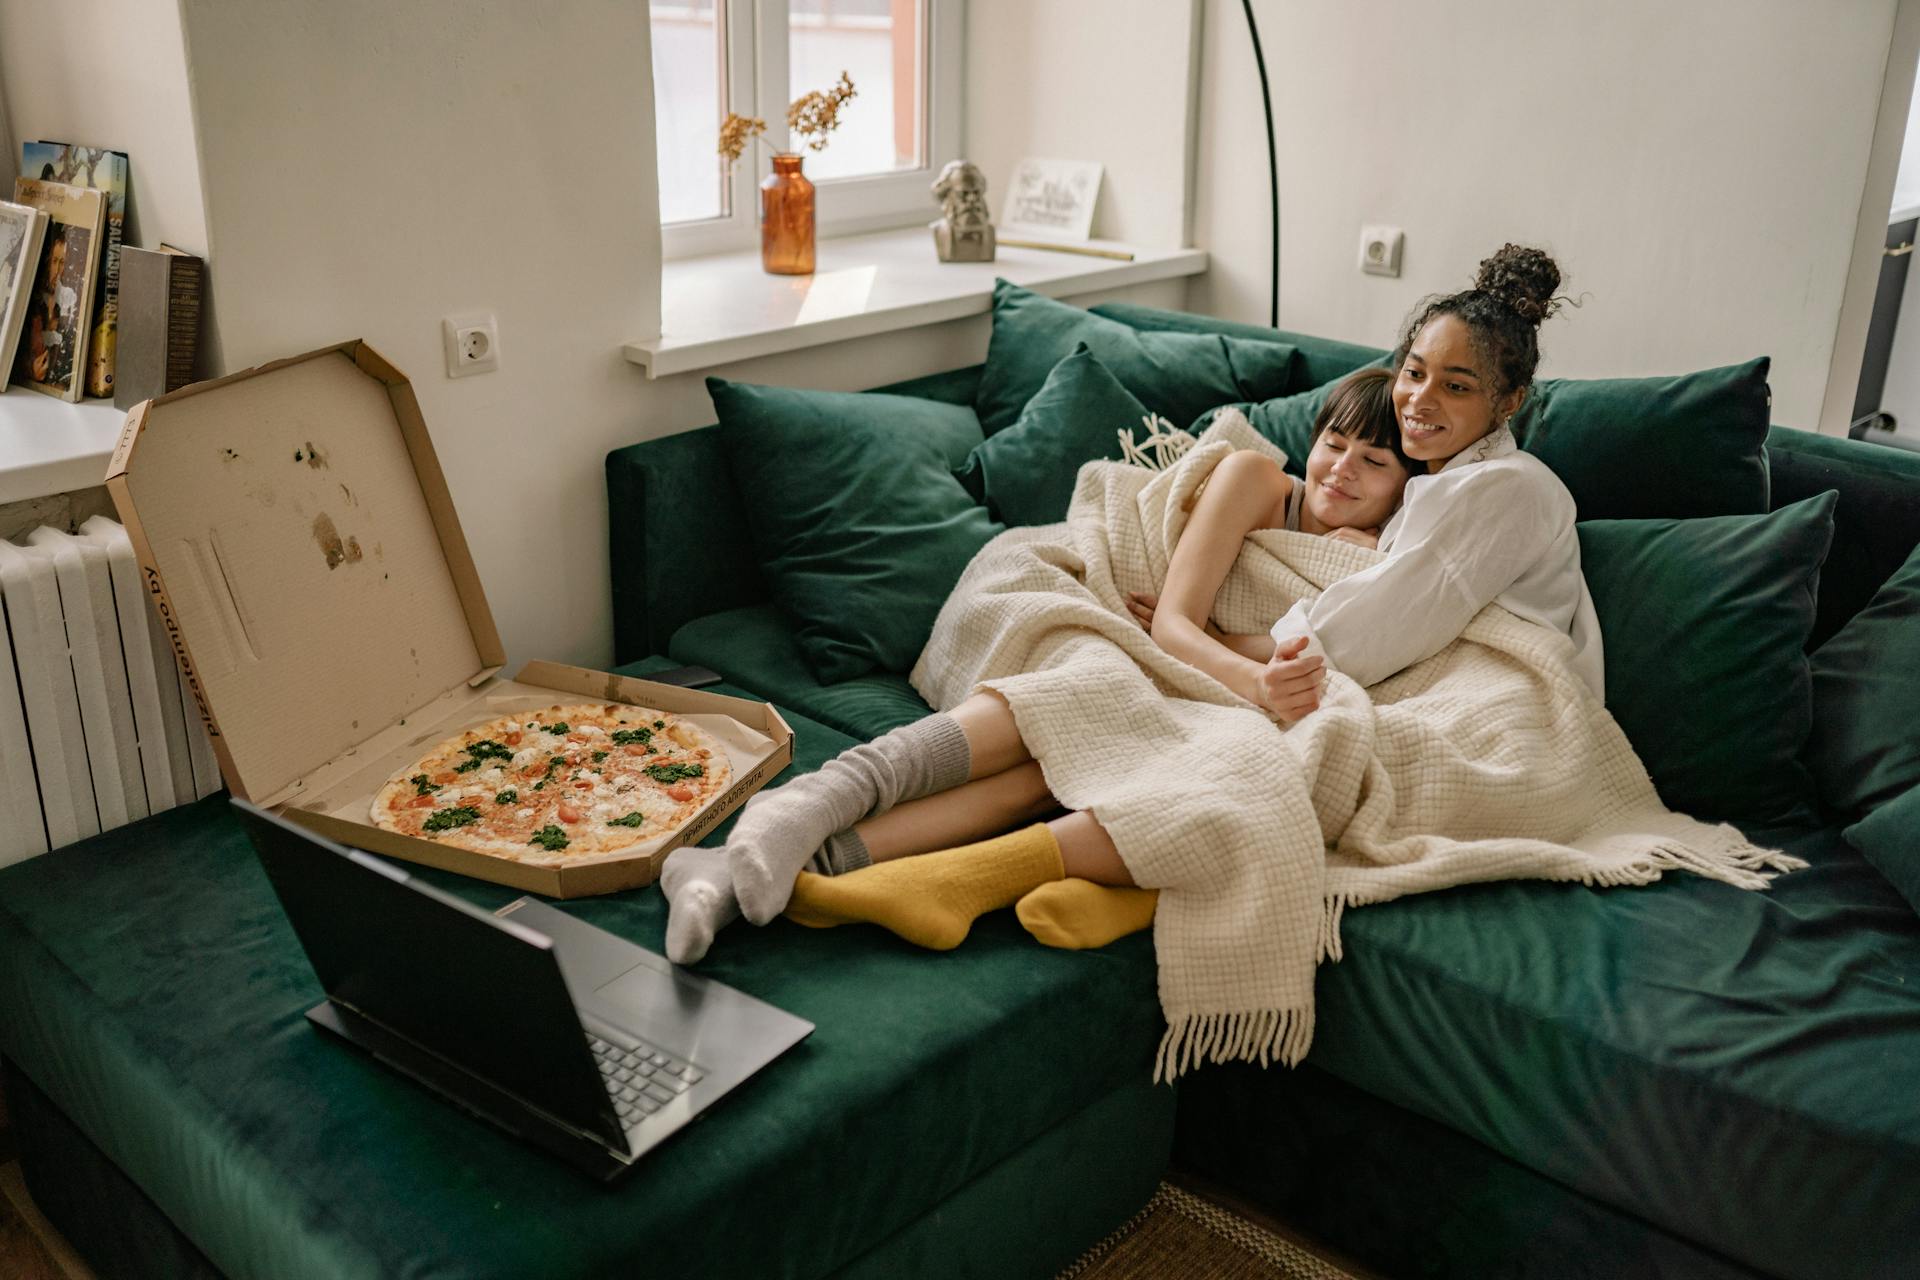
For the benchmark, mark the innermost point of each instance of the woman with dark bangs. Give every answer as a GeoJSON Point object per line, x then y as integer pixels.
{"type": "Point", "coordinates": [1355, 474]}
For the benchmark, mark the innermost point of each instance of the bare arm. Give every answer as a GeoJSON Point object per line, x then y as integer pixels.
{"type": "Point", "coordinates": [1243, 492]}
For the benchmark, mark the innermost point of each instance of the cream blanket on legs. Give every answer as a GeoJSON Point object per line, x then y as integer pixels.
{"type": "Point", "coordinates": [1487, 761]}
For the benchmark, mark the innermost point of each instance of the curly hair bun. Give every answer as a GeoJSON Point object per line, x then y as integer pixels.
{"type": "Point", "coordinates": [1522, 278]}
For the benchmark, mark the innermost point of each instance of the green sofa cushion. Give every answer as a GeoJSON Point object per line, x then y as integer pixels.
{"type": "Point", "coordinates": [151, 987]}
{"type": "Point", "coordinates": [1705, 624]}
{"type": "Point", "coordinates": [755, 649]}
{"type": "Point", "coordinates": [1648, 448]}
{"type": "Point", "coordinates": [1889, 838]}
{"type": "Point", "coordinates": [1176, 375]}
{"type": "Point", "coordinates": [1736, 1067]}
{"type": "Point", "coordinates": [1288, 420]}
{"type": "Point", "coordinates": [860, 527]}
{"type": "Point", "coordinates": [1865, 747]}
{"type": "Point", "coordinates": [1025, 474]}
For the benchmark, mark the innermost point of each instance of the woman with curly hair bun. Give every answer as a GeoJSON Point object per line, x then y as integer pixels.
{"type": "Point", "coordinates": [1487, 523]}
{"type": "Point", "coordinates": [1479, 522]}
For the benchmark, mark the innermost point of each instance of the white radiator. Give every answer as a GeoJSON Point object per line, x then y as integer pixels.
{"type": "Point", "coordinates": [95, 728]}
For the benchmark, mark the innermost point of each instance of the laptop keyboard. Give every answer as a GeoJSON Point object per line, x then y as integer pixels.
{"type": "Point", "coordinates": [641, 1080]}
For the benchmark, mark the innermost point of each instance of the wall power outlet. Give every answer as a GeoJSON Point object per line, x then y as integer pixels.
{"type": "Point", "coordinates": [472, 342]}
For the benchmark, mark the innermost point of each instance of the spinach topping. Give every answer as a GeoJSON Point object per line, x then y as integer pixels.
{"type": "Point", "coordinates": [550, 837]}
{"type": "Point", "coordinates": [675, 772]}
{"type": "Point", "coordinates": [508, 796]}
{"type": "Point", "coordinates": [421, 786]}
{"type": "Point", "coordinates": [446, 819]}
{"type": "Point", "coordinates": [488, 749]}
{"type": "Point", "coordinates": [562, 727]}
{"type": "Point", "coordinates": [631, 820]}
{"type": "Point", "coordinates": [627, 737]}
{"type": "Point", "coordinates": [598, 756]}
{"type": "Point", "coordinates": [659, 724]}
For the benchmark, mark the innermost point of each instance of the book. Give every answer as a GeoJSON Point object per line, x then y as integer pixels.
{"type": "Point", "coordinates": [159, 322]}
{"type": "Point", "coordinates": [53, 341]}
{"type": "Point", "coordinates": [107, 171]}
{"type": "Point", "coordinates": [21, 231]}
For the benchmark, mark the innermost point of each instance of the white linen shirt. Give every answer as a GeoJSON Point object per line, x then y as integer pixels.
{"type": "Point", "coordinates": [1494, 525]}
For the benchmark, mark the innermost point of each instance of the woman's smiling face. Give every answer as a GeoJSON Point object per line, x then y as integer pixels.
{"type": "Point", "coordinates": [1442, 398]}
{"type": "Point", "coordinates": [1351, 485]}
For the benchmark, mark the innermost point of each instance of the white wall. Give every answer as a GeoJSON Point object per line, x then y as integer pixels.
{"type": "Point", "coordinates": [1103, 80]}
{"type": "Point", "coordinates": [1696, 169]}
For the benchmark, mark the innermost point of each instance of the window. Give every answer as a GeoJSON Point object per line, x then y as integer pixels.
{"type": "Point", "coordinates": [754, 57]}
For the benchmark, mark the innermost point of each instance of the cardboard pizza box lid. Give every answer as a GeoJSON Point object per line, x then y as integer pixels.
{"type": "Point", "coordinates": [295, 527]}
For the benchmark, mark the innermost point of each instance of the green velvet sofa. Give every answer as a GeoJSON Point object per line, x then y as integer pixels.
{"type": "Point", "coordinates": [1510, 1079]}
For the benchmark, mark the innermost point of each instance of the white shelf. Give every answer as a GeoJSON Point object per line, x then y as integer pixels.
{"type": "Point", "coordinates": [724, 307]}
{"type": "Point", "coordinates": [49, 446]}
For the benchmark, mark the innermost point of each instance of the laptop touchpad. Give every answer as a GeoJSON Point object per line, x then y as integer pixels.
{"type": "Point", "coordinates": [662, 1007]}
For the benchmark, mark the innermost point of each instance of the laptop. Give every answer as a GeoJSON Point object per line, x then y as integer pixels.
{"type": "Point", "coordinates": [577, 1041]}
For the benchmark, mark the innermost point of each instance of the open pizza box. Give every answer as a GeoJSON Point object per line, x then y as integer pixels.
{"type": "Point", "coordinates": [298, 537]}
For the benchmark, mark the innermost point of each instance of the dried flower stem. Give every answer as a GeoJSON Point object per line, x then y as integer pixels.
{"type": "Point", "coordinates": [810, 118]}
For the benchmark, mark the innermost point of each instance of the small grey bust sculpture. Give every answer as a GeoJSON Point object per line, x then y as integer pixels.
{"type": "Point", "coordinates": [964, 232]}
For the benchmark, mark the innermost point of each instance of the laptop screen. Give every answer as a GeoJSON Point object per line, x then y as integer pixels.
{"type": "Point", "coordinates": [482, 993]}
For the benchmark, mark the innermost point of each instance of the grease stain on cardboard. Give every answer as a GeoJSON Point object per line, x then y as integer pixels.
{"type": "Point", "coordinates": [336, 551]}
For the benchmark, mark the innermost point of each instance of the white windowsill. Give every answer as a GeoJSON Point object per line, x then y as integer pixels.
{"type": "Point", "coordinates": [724, 307]}
{"type": "Point", "coordinates": [48, 446]}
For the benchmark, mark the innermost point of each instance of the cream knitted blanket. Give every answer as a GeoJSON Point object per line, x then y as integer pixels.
{"type": "Point", "coordinates": [1487, 761]}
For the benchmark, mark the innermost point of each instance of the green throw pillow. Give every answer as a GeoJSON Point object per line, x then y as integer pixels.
{"type": "Point", "coordinates": [1865, 746]}
{"type": "Point", "coordinates": [1889, 838]}
{"type": "Point", "coordinates": [1176, 375]}
{"type": "Point", "coordinates": [1705, 623]}
{"type": "Point", "coordinates": [1025, 474]}
{"type": "Point", "coordinates": [860, 528]}
{"type": "Point", "coordinates": [1654, 448]}
{"type": "Point", "coordinates": [1288, 420]}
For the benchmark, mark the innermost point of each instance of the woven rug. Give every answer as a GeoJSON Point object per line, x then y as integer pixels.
{"type": "Point", "coordinates": [1179, 1234]}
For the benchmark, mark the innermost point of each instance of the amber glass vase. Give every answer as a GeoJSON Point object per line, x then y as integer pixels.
{"type": "Point", "coordinates": [786, 219]}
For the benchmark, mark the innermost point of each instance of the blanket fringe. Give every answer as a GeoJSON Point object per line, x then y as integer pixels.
{"type": "Point", "coordinates": [1748, 868]}
{"type": "Point", "coordinates": [1168, 442]}
{"type": "Point", "coordinates": [1333, 908]}
{"type": "Point", "coordinates": [1263, 1036]}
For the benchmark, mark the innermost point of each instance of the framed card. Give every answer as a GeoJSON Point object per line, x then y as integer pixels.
{"type": "Point", "coordinates": [1051, 199]}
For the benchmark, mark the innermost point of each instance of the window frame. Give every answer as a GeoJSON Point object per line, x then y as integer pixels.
{"type": "Point", "coordinates": [756, 37]}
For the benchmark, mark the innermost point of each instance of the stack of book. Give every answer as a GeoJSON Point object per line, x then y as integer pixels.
{"type": "Point", "coordinates": [81, 314]}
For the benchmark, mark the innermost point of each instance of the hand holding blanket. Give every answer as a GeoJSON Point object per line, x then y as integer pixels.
{"type": "Point", "coordinates": [1489, 760]}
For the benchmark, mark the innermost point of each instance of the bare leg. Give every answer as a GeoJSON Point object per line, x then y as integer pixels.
{"type": "Point", "coordinates": [972, 811]}
{"type": "Point", "coordinates": [992, 734]}
{"type": "Point", "coordinates": [1087, 852]}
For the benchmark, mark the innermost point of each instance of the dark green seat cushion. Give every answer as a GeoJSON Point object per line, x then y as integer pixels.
{"type": "Point", "coordinates": [1739, 1068]}
{"type": "Point", "coordinates": [151, 987]}
{"type": "Point", "coordinates": [755, 649]}
{"type": "Point", "coordinates": [1889, 838]}
{"type": "Point", "coordinates": [1705, 625]}
{"type": "Point", "coordinates": [1288, 420]}
{"type": "Point", "coordinates": [1025, 474]}
{"type": "Point", "coordinates": [1176, 375]}
{"type": "Point", "coordinates": [857, 521]}
{"type": "Point", "coordinates": [1865, 747]}
{"type": "Point", "coordinates": [1648, 448]}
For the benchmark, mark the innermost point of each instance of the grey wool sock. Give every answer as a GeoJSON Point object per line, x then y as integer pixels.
{"type": "Point", "coordinates": [844, 851]}
{"type": "Point", "coordinates": [700, 900]}
{"type": "Point", "coordinates": [781, 828]}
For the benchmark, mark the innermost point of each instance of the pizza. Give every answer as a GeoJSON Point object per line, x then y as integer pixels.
{"type": "Point", "coordinates": [559, 784]}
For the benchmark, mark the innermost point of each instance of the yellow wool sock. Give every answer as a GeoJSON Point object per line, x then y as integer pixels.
{"type": "Point", "coordinates": [933, 899]}
{"type": "Point", "coordinates": [1077, 914]}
